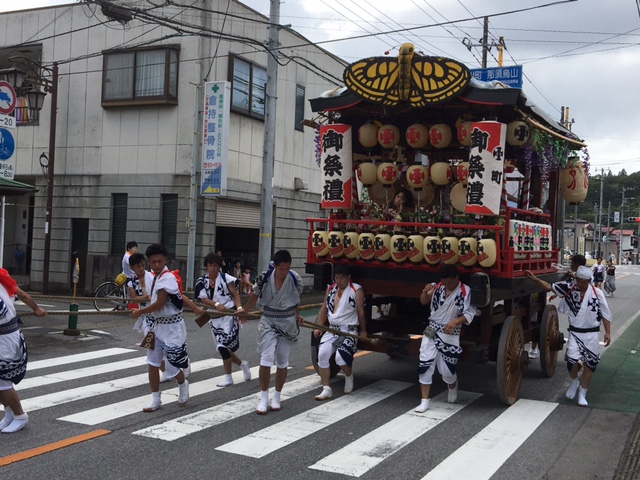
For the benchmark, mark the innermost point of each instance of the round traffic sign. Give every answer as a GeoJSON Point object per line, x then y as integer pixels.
{"type": "Point", "coordinates": [7, 144]}
{"type": "Point", "coordinates": [8, 98]}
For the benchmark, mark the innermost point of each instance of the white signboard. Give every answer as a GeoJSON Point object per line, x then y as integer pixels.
{"type": "Point", "coordinates": [215, 140]}
{"type": "Point", "coordinates": [616, 217]}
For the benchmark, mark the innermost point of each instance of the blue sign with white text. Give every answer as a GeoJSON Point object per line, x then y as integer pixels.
{"type": "Point", "coordinates": [511, 76]}
{"type": "Point", "coordinates": [7, 144]}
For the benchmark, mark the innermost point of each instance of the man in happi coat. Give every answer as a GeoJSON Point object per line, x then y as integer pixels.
{"type": "Point", "coordinates": [165, 313]}
{"type": "Point", "coordinates": [13, 353]}
{"type": "Point", "coordinates": [343, 310]}
{"type": "Point", "coordinates": [218, 290]}
{"type": "Point", "coordinates": [586, 308]}
{"type": "Point", "coordinates": [277, 291]}
{"type": "Point", "coordinates": [450, 302]}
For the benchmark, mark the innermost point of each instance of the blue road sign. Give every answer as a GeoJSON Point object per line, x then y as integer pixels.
{"type": "Point", "coordinates": [511, 76]}
{"type": "Point", "coordinates": [7, 144]}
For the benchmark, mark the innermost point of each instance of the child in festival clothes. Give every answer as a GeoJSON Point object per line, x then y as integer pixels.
{"type": "Point", "coordinates": [247, 286]}
{"type": "Point", "coordinates": [165, 316]}
{"type": "Point", "coordinates": [13, 352]}
{"type": "Point", "coordinates": [218, 290]}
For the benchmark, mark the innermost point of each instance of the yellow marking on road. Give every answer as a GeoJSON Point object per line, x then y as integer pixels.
{"type": "Point", "coordinates": [50, 447]}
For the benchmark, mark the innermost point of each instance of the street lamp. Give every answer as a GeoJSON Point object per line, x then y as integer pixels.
{"type": "Point", "coordinates": [35, 76]}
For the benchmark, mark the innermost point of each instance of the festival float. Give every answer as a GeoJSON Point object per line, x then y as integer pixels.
{"type": "Point", "coordinates": [486, 170]}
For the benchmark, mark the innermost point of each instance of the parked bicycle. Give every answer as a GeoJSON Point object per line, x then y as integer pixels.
{"type": "Point", "coordinates": [113, 295]}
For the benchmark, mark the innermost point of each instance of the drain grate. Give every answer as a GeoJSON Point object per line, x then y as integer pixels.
{"type": "Point", "coordinates": [629, 466]}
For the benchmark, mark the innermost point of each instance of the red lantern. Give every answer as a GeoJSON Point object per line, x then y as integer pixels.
{"type": "Point", "coordinates": [417, 177]}
{"type": "Point", "coordinates": [388, 136]}
{"type": "Point", "coordinates": [368, 135]}
{"type": "Point", "coordinates": [367, 173]}
{"type": "Point", "coordinates": [440, 135]}
{"type": "Point", "coordinates": [387, 174]}
{"type": "Point", "coordinates": [417, 135]}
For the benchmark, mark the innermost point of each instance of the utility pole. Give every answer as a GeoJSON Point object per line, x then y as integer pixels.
{"type": "Point", "coordinates": [485, 42]}
{"type": "Point", "coordinates": [624, 189]}
{"type": "Point", "coordinates": [266, 207]}
{"type": "Point", "coordinates": [599, 253]}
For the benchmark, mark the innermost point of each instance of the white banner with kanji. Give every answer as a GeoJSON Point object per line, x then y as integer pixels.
{"type": "Point", "coordinates": [486, 164]}
{"type": "Point", "coordinates": [336, 164]}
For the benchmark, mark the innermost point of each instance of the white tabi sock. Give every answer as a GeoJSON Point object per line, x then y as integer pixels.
{"type": "Point", "coordinates": [18, 423]}
{"type": "Point", "coordinates": [8, 417]}
{"type": "Point", "coordinates": [582, 397]}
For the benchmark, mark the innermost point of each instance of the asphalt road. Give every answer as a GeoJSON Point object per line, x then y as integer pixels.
{"type": "Point", "coordinates": [370, 433]}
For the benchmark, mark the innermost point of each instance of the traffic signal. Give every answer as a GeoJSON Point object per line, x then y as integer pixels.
{"type": "Point", "coordinates": [633, 219]}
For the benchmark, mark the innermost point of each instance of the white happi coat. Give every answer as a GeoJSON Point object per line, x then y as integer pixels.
{"type": "Point", "coordinates": [225, 330]}
{"type": "Point", "coordinates": [144, 322]}
{"type": "Point", "coordinates": [13, 348]}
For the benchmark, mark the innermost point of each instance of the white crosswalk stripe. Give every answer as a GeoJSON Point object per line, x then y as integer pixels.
{"type": "Point", "coordinates": [284, 433]}
{"type": "Point", "coordinates": [183, 426]}
{"type": "Point", "coordinates": [482, 456]}
{"type": "Point", "coordinates": [80, 393]}
{"type": "Point", "coordinates": [479, 458]}
{"type": "Point", "coordinates": [360, 456]}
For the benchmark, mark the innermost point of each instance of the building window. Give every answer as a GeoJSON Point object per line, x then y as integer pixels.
{"type": "Point", "coordinates": [299, 117]}
{"type": "Point", "coordinates": [118, 222]}
{"type": "Point", "coordinates": [140, 77]}
{"type": "Point", "coordinates": [249, 87]}
{"type": "Point", "coordinates": [169, 222]}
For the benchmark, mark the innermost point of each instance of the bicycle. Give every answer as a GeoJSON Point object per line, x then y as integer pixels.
{"type": "Point", "coordinates": [111, 296]}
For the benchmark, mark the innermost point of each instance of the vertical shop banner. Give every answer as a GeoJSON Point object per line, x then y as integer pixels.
{"type": "Point", "coordinates": [486, 168]}
{"type": "Point", "coordinates": [215, 127]}
{"type": "Point", "coordinates": [336, 164]}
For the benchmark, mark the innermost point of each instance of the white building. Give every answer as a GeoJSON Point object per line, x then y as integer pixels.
{"type": "Point", "coordinates": [126, 118]}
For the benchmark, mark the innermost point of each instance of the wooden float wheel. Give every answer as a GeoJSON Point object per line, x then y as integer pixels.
{"type": "Point", "coordinates": [511, 360]}
{"type": "Point", "coordinates": [551, 340]}
{"type": "Point", "coordinates": [315, 345]}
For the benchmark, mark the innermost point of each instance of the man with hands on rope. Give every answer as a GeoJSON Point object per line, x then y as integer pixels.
{"type": "Point", "coordinates": [343, 310]}
{"type": "Point", "coordinates": [277, 291]}
{"type": "Point", "coordinates": [451, 308]}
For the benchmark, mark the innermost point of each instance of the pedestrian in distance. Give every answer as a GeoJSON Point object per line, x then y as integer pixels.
{"type": "Point", "coordinates": [246, 286]}
{"type": "Point", "coordinates": [587, 308]}
{"type": "Point", "coordinates": [165, 312]}
{"type": "Point", "coordinates": [598, 273]}
{"type": "Point", "coordinates": [277, 290]}
{"type": "Point", "coordinates": [13, 352]}
{"type": "Point", "coordinates": [451, 308]}
{"type": "Point", "coordinates": [132, 247]}
{"type": "Point", "coordinates": [218, 291]}
{"type": "Point", "coordinates": [342, 310]}
{"type": "Point", "coordinates": [610, 279]}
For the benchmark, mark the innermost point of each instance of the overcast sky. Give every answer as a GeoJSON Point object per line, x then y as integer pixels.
{"type": "Point", "coordinates": [583, 54]}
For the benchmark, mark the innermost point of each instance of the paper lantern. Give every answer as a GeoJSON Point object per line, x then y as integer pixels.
{"type": "Point", "coordinates": [417, 177]}
{"type": "Point", "coordinates": [440, 173]}
{"type": "Point", "coordinates": [465, 117]}
{"type": "Point", "coordinates": [350, 245]}
{"type": "Point", "coordinates": [334, 241]}
{"type": "Point", "coordinates": [517, 133]}
{"type": "Point", "coordinates": [388, 136]}
{"type": "Point", "coordinates": [464, 133]}
{"type": "Point", "coordinates": [381, 194]}
{"type": "Point", "coordinates": [417, 135]}
{"type": "Point", "coordinates": [399, 248]}
{"type": "Point", "coordinates": [368, 135]}
{"type": "Point", "coordinates": [319, 244]}
{"type": "Point", "coordinates": [449, 250]}
{"type": "Point", "coordinates": [468, 251]}
{"type": "Point", "coordinates": [382, 247]}
{"type": "Point", "coordinates": [459, 196]}
{"type": "Point", "coordinates": [462, 172]}
{"type": "Point", "coordinates": [367, 173]}
{"type": "Point", "coordinates": [440, 135]}
{"type": "Point", "coordinates": [415, 248]}
{"type": "Point", "coordinates": [365, 245]}
{"type": "Point", "coordinates": [432, 249]}
{"type": "Point", "coordinates": [574, 182]}
{"type": "Point", "coordinates": [487, 252]}
{"type": "Point", "coordinates": [387, 174]}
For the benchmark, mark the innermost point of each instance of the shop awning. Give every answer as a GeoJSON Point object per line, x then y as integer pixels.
{"type": "Point", "coordinates": [11, 187]}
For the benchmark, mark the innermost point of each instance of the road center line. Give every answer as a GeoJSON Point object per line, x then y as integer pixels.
{"type": "Point", "coordinates": [50, 447]}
